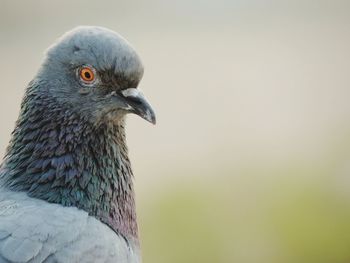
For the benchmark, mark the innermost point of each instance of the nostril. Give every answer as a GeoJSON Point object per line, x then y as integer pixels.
{"type": "Point", "coordinates": [133, 96]}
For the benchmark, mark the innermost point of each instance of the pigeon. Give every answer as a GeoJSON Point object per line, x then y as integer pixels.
{"type": "Point", "coordinates": [66, 183]}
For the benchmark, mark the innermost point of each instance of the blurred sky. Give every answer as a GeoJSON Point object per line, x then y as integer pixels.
{"type": "Point", "coordinates": [242, 79]}
{"type": "Point", "coordinates": [236, 84]}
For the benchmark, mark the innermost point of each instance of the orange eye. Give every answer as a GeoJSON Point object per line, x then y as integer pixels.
{"type": "Point", "coordinates": [87, 74]}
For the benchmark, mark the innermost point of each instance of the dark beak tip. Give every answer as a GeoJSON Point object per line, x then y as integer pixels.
{"type": "Point", "coordinates": [147, 114]}
{"type": "Point", "coordinates": [151, 118]}
{"type": "Point", "coordinates": [154, 121]}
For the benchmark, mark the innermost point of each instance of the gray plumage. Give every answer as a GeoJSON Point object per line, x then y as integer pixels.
{"type": "Point", "coordinates": [66, 184]}
{"type": "Point", "coordinates": [32, 230]}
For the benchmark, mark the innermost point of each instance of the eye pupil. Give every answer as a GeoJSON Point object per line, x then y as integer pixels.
{"type": "Point", "coordinates": [87, 74]}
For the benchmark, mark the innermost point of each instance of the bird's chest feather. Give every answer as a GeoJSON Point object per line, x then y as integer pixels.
{"type": "Point", "coordinates": [33, 230]}
{"type": "Point", "coordinates": [62, 159]}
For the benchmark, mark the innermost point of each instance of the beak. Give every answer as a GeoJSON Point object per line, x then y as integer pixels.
{"type": "Point", "coordinates": [139, 104]}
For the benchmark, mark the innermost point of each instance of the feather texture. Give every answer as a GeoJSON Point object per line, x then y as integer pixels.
{"type": "Point", "coordinates": [66, 183]}
{"type": "Point", "coordinates": [33, 230]}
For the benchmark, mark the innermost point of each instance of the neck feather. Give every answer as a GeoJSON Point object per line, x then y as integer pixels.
{"type": "Point", "coordinates": [57, 156]}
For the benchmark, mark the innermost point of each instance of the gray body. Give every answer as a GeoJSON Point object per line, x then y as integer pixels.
{"type": "Point", "coordinates": [66, 183]}
{"type": "Point", "coordinates": [32, 230]}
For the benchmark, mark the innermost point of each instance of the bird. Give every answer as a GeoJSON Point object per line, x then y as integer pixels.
{"type": "Point", "coordinates": [66, 182]}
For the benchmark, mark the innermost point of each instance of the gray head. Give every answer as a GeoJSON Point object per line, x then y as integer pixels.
{"type": "Point", "coordinates": [94, 72]}
{"type": "Point", "coordinates": [69, 146]}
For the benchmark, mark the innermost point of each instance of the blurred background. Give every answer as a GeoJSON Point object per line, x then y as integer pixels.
{"type": "Point", "coordinates": [250, 159]}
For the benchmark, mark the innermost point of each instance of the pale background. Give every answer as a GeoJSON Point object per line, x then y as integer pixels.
{"type": "Point", "coordinates": [250, 159]}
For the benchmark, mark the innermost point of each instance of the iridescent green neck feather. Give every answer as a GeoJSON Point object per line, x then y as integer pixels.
{"type": "Point", "coordinates": [58, 156]}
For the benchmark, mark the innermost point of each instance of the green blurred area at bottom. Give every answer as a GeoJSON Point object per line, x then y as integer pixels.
{"type": "Point", "coordinates": [253, 216]}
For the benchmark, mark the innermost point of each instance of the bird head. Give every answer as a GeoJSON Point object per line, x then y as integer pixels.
{"type": "Point", "coordinates": [94, 72]}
